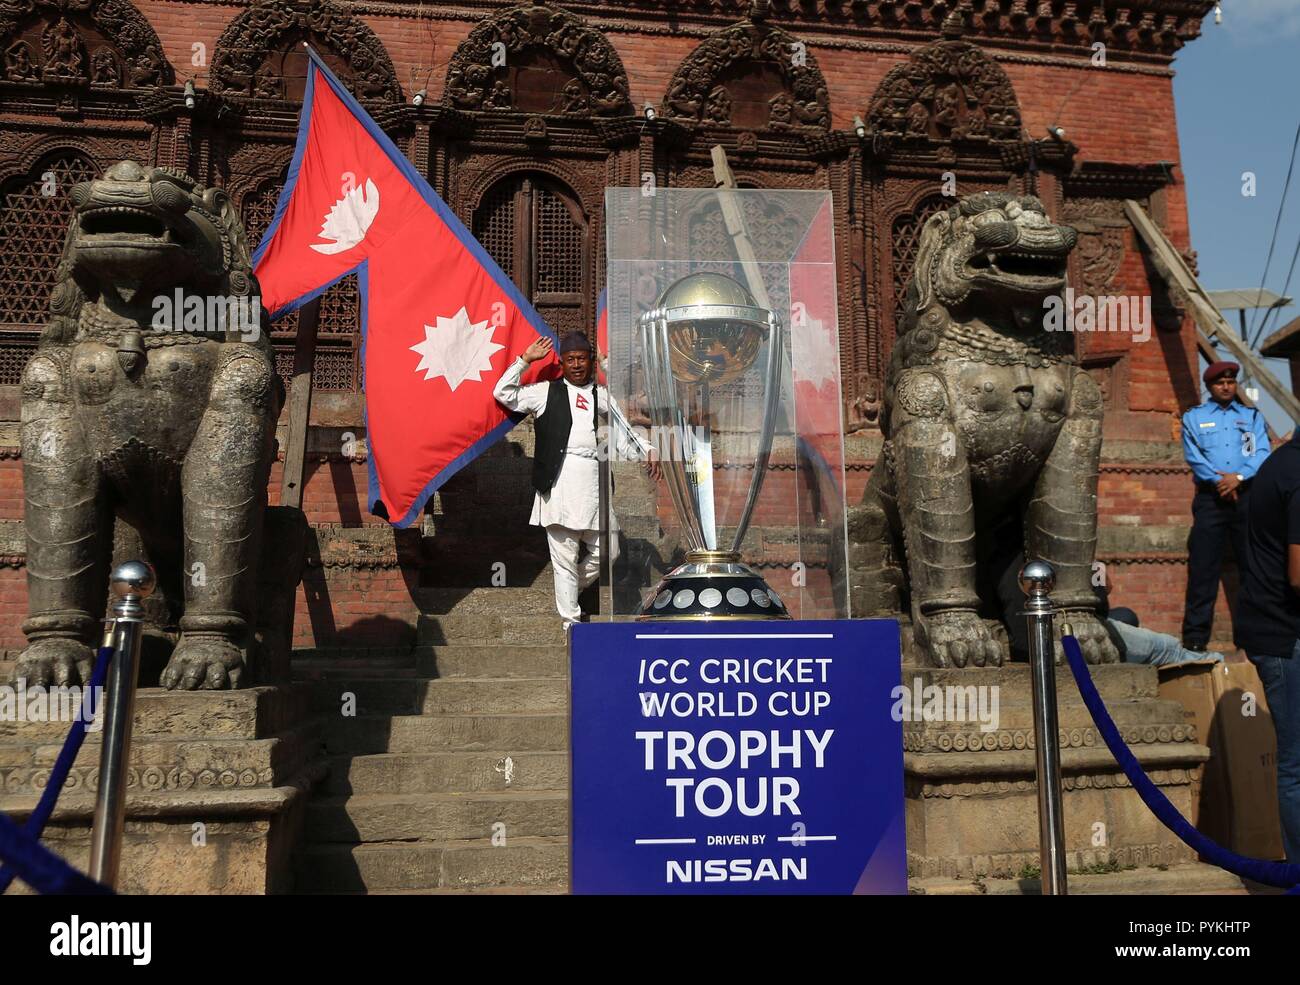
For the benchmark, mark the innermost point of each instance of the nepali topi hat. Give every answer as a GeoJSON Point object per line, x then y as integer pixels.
{"type": "Point", "coordinates": [574, 342]}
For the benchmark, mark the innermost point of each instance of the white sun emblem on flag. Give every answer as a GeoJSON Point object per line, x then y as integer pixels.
{"type": "Point", "coordinates": [456, 349]}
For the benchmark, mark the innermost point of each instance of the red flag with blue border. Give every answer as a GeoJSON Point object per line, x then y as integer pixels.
{"type": "Point", "coordinates": [440, 321]}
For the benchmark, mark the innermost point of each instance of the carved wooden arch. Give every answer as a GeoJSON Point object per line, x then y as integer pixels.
{"type": "Point", "coordinates": [475, 192]}
{"type": "Point", "coordinates": [252, 52]}
{"type": "Point", "coordinates": [752, 76]}
{"type": "Point", "coordinates": [101, 151]}
{"type": "Point", "coordinates": [536, 224]}
{"type": "Point", "coordinates": [241, 186]}
{"type": "Point", "coordinates": [100, 44]}
{"type": "Point", "coordinates": [539, 45]}
{"type": "Point", "coordinates": [946, 91]}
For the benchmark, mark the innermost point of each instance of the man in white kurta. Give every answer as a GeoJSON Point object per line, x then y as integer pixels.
{"type": "Point", "coordinates": [570, 510]}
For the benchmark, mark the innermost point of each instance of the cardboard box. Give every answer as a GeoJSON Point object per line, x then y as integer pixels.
{"type": "Point", "coordinates": [1236, 804]}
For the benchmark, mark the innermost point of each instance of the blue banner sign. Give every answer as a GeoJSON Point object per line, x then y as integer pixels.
{"type": "Point", "coordinates": [736, 757]}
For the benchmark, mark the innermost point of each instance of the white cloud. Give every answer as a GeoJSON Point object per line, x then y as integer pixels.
{"type": "Point", "coordinates": [1257, 20]}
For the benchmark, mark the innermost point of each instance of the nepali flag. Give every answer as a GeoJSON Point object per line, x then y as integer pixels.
{"type": "Point", "coordinates": [440, 321]}
{"type": "Point", "coordinates": [602, 334]}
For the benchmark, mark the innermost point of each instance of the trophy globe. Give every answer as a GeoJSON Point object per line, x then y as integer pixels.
{"type": "Point", "coordinates": [716, 400]}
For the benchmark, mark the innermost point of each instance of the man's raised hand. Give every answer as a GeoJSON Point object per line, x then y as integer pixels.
{"type": "Point", "coordinates": [540, 349]}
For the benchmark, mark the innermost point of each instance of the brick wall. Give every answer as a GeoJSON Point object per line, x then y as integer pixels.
{"type": "Point", "coordinates": [1121, 113]}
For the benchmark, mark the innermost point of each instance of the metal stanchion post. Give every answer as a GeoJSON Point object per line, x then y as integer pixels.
{"type": "Point", "coordinates": [1037, 579]}
{"type": "Point", "coordinates": [132, 582]}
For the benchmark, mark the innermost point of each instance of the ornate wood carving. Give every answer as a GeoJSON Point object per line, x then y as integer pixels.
{"type": "Point", "coordinates": [949, 90]}
{"type": "Point", "coordinates": [751, 76]}
{"type": "Point", "coordinates": [260, 53]}
{"type": "Point", "coordinates": [1152, 28]}
{"type": "Point", "coordinates": [1103, 236]}
{"type": "Point", "coordinates": [81, 43]}
{"type": "Point", "coordinates": [541, 60]}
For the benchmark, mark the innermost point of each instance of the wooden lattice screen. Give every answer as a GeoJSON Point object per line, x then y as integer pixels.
{"type": "Point", "coordinates": [906, 238]}
{"type": "Point", "coordinates": [339, 330]}
{"type": "Point", "coordinates": [34, 214]}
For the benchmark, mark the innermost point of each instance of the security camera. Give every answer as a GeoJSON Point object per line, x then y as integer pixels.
{"type": "Point", "coordinates": [419, 98]}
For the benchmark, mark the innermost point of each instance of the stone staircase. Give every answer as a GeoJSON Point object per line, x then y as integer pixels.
{"type": "Point", "coordinates": [451, 773]}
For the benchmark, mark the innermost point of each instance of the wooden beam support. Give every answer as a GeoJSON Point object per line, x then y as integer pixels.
{"type": "Point", "coordinates": [295, 453]}
{"type": "Point", "coordinates": [1171, 266]}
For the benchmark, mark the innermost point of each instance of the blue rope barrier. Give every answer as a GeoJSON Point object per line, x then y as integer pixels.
{"type": "Point", "coordinates": [1280, 874]}
{"type": "Point", "coordinates": [40, 868]}
{"type": "Point", "coordinates": [40, 816]}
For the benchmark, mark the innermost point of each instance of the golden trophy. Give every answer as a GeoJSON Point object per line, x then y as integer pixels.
{"type": "Point", "coordinates": [715, 402]}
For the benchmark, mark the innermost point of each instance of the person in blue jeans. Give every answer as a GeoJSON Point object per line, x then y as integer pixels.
{"type": "Point", "coordinates": [1140, 645]}
{"type": "Point", "coordinates": [1136, 644]}
{"type": "Point", "coordinates": [1268, 617]}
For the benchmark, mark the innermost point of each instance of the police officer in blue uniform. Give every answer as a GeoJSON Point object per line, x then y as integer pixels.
{"type": "Point", "coordinates": [1224, 443]}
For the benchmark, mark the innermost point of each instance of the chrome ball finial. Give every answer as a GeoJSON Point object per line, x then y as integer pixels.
{"type": "Point", "coordinates": [133, 578]}
{"type": "Point", "coordinates": [1036, 577]}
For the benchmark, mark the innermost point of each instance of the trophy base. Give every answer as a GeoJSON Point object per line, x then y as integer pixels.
{"type": "Point", "coordinates": [713, 585]}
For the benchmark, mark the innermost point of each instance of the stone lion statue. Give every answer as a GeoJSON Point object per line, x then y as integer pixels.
{"type": "Point", "coordinates": [992, 440]}
{"type": "Point", "coordinates": [151, 399]}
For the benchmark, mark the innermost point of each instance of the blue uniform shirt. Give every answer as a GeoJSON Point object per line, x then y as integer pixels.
{"type": "Point", "coordinates": [1230, 439]}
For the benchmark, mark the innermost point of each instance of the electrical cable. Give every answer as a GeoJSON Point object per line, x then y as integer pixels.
{"type": "Point", "coordinates": [1272, 242]}
{"type": "Point", "coordinates": [1263, 328]}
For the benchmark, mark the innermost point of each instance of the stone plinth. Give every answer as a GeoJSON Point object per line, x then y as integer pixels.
{"type": "Point", "coordinates": [971, 794]}
{"type": "Point", "coordinates": [216, 785]}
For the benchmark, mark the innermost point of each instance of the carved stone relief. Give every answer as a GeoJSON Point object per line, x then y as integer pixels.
{"type": "Point", "coordinates": [752, 76]}
{"type": "Point", "coordinates": [100, 43]}
{"type": "Point", "coordinates": [260, 53]}
{"type": "Point", "coordinates": [947, 90]}
{"type": "Point", "coordinates": [537, 59]}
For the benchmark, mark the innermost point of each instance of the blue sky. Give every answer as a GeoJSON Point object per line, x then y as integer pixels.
{"type": "Point", "coordinates": [1237, 111]}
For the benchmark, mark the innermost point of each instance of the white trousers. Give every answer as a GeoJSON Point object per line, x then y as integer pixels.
{"type": "Point", "coordinates": [570, 576]}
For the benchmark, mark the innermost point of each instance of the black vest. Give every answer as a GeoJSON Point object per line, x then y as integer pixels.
{"type": "Point", "coordinates": [552, 429]}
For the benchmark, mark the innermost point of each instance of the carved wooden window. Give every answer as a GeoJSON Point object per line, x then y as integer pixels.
{"type": "Point", "coordinates": [906, 238]}
{"type": "Point", "coordinates": [534, 228]}
{"type": "Point", "coordinates": [34, 214]}
{"type": "Point", "coordinates": [339, 328]}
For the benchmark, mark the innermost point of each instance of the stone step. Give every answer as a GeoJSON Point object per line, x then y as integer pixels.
{"type": "Point", "coordinates": [318, 665]}
{"type": "Point", "coordinates": [446, 772]}
{"type": "Point", "coordinates": [245, 714]}
{"type": "Point", "coordinates": [442, 696]}
{"type": "Point", "coordinates": [316, 673]}
{"type": "Point", "coordinates": [432, 865]}
{"type": "Point", "coordinates": [437, 816]}
{"type": "Point", "coordinates": [492, 660]}
{"type": "Point", "coordinates": [426, 733]}
{"type": "Point", "coordinates": [504, 599]}
{"type": "Point", "coordinates": [543, 890]}
{"type": "Point", "coordinates": [1115, 682]}
{"type": "Point", "coordinates": [530, 629]}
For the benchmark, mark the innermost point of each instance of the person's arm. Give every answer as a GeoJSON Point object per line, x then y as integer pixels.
{"type": "Point", "coordinates": [628, 445]}
{"type": "Point", "coordinates": [1195, 457]}
{"type": "Point", "coordinates": [1293, 540]}
{"type": "Point", "coordinates": [523, 399]}
{"type": "Point", "coordinates": [1261, 450]}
